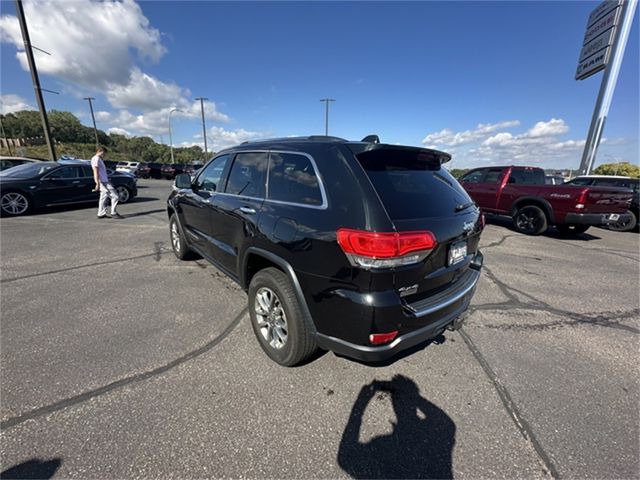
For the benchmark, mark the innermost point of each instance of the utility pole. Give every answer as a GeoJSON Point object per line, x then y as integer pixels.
{"type": "Point", "coordinates": [204, 128]}
{"type": "Point", "coordinates": [95, 130]}
{"type": "Point", "coordinates": [35, 79]}
{"type": "Point", "coordinates": [170, 136]}
{"type": "Point", "coordinates": [326, 114]}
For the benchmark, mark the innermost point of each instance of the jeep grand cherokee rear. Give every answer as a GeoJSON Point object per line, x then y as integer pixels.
{"type": "Point", "coordinates": [357, 247]}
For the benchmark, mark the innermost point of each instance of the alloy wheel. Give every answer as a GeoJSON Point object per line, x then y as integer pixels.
{"type": "Point", "coordinates": [123, 194]}
{"type": "Point", "coordinates": [175, 236]}
{"type": "Point", "coordinates": [272, 321]}
{"type": "Point", "coordinates": [14, 203]}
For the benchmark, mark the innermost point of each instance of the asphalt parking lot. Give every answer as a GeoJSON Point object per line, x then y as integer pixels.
{"type": "Point", "coordinates": [120, 361]}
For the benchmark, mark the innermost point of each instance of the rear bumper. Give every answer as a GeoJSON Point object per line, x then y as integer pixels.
{"type": "Point", "coordinates": [595, 218]}
{"type": "Point", "coordinates": [436, 313]}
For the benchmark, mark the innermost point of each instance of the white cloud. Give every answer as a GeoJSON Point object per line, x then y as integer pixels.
{"type": "Point", "coordinates": [449, 138]}
{"type": "Point", "coordinates": [145, 92]}
{"type": "Point", "coordinates": [119, 131]}
{"type": "Point", "coordinates": [90, 42]}
{"type": "Point", "coordinates": [548, 129]}
{"type": "Point", "coordinates": [490, 144]}
{"type": "Point", "coordinates": [221, 138]}
{"type": "Point", "coordinates": [13, 103]}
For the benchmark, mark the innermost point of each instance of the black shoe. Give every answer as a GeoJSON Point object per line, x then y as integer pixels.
{"type": "Point", "coordinates": [116, 215]}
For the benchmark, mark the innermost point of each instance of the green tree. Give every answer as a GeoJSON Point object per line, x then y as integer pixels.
{"type": "Point", "coordinates": [625, 169]}
{"type": "Point", "coordinates": [458, 172]}
{"type": "Point", "coordinates": [23, 124]}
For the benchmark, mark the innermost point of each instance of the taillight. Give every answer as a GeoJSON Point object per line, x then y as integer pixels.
{"type": "Point", "coordinates": [582, 199]}
{"type": "Point", "coordinates": [385, 249]}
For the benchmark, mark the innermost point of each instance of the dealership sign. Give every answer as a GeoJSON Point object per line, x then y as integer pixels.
{"type": "Point", "coordinates": [596, 46]}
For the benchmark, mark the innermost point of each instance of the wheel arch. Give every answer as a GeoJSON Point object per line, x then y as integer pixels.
{"type": "Point", "coordinates": [538, 202]}
{"type": "Point", "coordinates": [256, 259]}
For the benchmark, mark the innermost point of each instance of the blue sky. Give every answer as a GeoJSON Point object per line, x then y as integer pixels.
{"type": "Point", "coordinates": [490, 82]}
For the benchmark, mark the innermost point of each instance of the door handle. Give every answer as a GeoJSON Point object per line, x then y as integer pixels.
{"type": "Point", "coordinates": [76, 181]}
{"type": "Point", "coordinates": [247, 210]}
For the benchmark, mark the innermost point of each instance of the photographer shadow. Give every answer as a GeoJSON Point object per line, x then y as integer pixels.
{"type": "Point", "coordinates": [420, 445]}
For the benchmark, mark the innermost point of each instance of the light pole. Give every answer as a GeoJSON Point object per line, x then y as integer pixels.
{"type": "Point", "coordinates": [93, 118]}
{"type": "Point", "coordinates": [204, 128]}
{"type": "Point", "coordinates": [170, 136]}
{"type": "Point", "coordinates": [326, 114]}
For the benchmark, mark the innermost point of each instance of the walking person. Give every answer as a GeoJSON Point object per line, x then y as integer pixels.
{"type": "Point", "coordinates": [103, 185]}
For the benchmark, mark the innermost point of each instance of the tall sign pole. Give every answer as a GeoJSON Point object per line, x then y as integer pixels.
{"type": "Point", "coordinates": [95, 130]}
{"type": "Point", "coordinates": [603, 48]}
{"type": "Point", "coordinates": [204, 128]}
{"type": "Point", "coordinates": [35, 79]}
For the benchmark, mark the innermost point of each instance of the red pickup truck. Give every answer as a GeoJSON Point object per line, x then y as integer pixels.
{"type": "Point", "coordinates": [521, 193]}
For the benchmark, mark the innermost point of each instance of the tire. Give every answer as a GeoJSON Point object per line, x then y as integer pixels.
{"type": "Point", "coordinates": [13, 204]}
{"type": "Point", "coordinates": [530, 220]}
{"type": "Point", "coordinates": [178, 241]}
{"type": "Point", "coordinates": [279, 323]}
{"type": "Point", "coordinates": [124, 193]}
{"type": "Point", "coordinates": [625, 226]}
{"type": "Point", "coordinates": [568, 229]}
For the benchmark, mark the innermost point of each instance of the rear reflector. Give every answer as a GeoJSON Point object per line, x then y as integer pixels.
{"type": "Point", "coordinates": [385, 249]}
{"type": "Point", "coordinates": [380, 338]}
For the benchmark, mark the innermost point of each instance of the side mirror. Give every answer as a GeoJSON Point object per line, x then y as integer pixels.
{"type": "Point", "coordinates": [183, 180]}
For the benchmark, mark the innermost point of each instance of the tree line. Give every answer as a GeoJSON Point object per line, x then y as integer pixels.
{"type": "Point", "coordinates": [74, 139]}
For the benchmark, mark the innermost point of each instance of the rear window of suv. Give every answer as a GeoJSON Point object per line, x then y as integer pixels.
{"type": "Point", "coordinates": [412, 184]}
{"type": "Point", "coordinates": [293, 179]}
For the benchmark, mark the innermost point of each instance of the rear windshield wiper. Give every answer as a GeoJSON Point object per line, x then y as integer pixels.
{"type": "Point", "coordinates": [464, 206]}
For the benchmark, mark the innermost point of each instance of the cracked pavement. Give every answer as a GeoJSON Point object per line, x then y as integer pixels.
{"type": "Point", "coordinates": [118, 360]}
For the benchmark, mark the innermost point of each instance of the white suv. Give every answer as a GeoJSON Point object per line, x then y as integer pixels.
{"type": "Point", "coordinates": [129, 167]}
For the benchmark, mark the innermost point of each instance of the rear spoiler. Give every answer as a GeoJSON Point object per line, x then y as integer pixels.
{"type": "Point", "coordinates": [424, 154]}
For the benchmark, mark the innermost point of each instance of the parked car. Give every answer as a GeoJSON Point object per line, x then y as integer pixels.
{"type": "Point", "coordinates": [8, 162]}
{"type": "Point", "coordinates": [554, 180]}
{"type": "Point", "coordinates": [43, 184]}
{"type": "Point", "coordinates": [192, 168]}
{"type": "Point", "coordinates": [170, 170]}
{"type": "Point", "coordinates": [143, 170]}
{"type": "Point", "coordinates": [633, 184]}
{"type": "Point", "coordinates": [155, 170]}
{"type": "Point", "coordinates": [110, 171]}
{"type": "Point", "coordinates": [129, 167]}
{"type": "Point", "coordinates": [361, 248]}
{"type": "Point", "coordinates": [521, 193]}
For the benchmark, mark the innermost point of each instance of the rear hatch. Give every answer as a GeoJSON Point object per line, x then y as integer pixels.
{"type": "Point", "coordinates": [419, 194]}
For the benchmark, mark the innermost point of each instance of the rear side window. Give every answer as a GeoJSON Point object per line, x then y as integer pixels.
{"type": "Point", "coordinates": [580, 181]}
{"type": "Point", "coordinates": [411, 184]}
{"type": "Point", "coordinates": [492, 176]}
{"type": "Point", "coordinates": [293, 179]}
{"type": "Point", "coordinates": [473, 177]}
{"type": "Point", "coordinates": [526, 177]}
{"type": "Point", "coordinates": [248, 175]}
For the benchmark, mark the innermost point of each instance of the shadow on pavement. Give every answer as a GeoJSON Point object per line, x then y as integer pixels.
{"type": "Point", "coordinates": [551, 231]}
{"type": "Point", "coordinates": [146, 212]}
{"type": "Point", "coordinates": [420, 445]}
{"type": "Point", "coordinates": [34, 468]}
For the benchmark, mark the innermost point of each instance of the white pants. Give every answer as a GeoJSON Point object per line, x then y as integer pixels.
{"type": "Point", "coordinates": [107, 191]}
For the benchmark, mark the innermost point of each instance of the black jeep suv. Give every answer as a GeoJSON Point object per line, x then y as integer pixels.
{"type": "Point", "coordinates": [361, 248]}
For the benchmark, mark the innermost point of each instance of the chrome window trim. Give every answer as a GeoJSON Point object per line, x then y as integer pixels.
{"type": "Point", "coordinates": [323, 206]}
